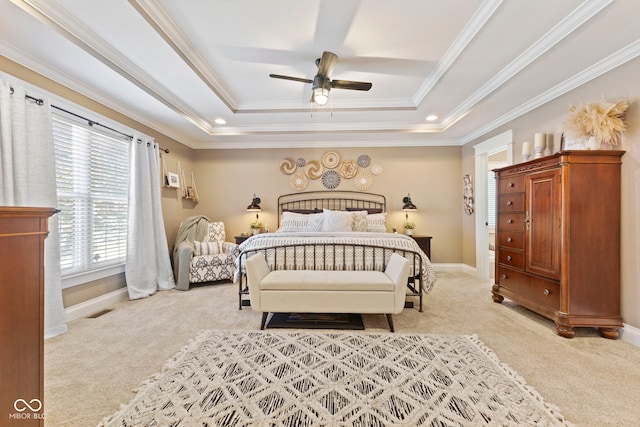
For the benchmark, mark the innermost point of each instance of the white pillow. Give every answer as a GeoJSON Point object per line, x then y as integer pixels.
{"type": "Point", "coordinates": [359, 220]}
{"type": "Point", "coordinates": [206, 248]}
{"type": "Point", "coordinates": [292, 221]}
{"type": "Point", "coordinates": [377, 223]}
{"type": "Point", "coordinates": [337, 221]}
{"type": "Point", "coordinates": [315, 222]}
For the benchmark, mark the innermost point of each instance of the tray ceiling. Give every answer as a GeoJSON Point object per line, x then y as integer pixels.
{"type": "Point", "coordinates": [177, 66]}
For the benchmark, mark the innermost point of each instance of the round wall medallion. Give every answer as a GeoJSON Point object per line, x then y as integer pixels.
{"type": "Point", "coordinates": [301, 162]}
{"type": "Point", "coordinates": [298, 181]}
{"type": "Point", "coordinates": [288, 166]}
{"type": "Point", "coordinates": [376, 169]}
{"type": "Point", "coordinates": [348, 169]}
{"type": "Point", "coordinates": [364, 160]}
{"type": "Point", "coordinates": [330, 159]}
{"type": "Point", "coordinates": [330, 179]}
{"type": "Point", "coordinates": [363, 181]}
{"type": "Point", "coordinates": [314, 169]}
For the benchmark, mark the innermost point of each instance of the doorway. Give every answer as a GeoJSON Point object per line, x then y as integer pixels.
{"type": "Point", "coordinates": [498, 149]}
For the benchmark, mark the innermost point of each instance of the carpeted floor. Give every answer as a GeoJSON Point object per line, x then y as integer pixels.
{"type": "Point", "coordinates": [333, 378]}
{"type": "Point", "coordinates": [94, 368]}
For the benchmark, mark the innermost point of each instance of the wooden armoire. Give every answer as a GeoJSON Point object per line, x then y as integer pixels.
{"type": "Point", "coordinates": [558, 239]}
{"type": "Point", "coordinates": [22, 234]}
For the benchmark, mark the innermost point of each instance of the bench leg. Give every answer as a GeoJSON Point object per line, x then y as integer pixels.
{"type": "Point", "coordinates": [264, 319]}
{"type": "Point", "coordinates": [390, 320]}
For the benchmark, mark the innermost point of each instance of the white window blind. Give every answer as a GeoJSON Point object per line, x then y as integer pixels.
{"type": "Point", "coordinates": [92, 169]}
{"type": "Point", "coordinates": [491, 199]}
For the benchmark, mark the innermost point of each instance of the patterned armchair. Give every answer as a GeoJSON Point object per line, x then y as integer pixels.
{"type": "Point", "coordinates": [206, 258]}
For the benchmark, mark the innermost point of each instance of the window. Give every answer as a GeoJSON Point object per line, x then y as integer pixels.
{"type": "Point", "coordinates": [491, 200]}
{"type": "Point", "coordinates": [92, 169]}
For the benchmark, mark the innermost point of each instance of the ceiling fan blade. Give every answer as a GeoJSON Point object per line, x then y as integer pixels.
{"type": "Point", "coordinates": [348, 84]}
{"type": "Point", "coordinates": [326, 64]}
{"type": "Point", "coordinates": [295, 79]}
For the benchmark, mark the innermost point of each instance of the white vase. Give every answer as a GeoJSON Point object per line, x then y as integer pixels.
{"type": "Point", "coordinates": [409, 231]}
{"type": "Point", "coordinates": [256, 231]}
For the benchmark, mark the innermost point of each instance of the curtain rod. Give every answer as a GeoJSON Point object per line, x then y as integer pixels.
{"type": "Point", "coordinates": [39, 101]}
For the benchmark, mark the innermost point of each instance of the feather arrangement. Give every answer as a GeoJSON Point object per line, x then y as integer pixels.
{"type": "Point", "coordinates": [602, 120]}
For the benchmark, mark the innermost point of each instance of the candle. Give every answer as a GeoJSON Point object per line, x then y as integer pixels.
{"type": "Point", "coordinates": [526, 148]}
{"type": "Point", "coordinates": [539, 140]}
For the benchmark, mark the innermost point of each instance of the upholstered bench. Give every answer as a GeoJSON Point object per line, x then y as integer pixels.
{"type": "Point", "coordinates": [324, 291]}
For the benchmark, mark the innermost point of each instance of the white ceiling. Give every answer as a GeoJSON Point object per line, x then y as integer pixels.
{"type": "Point", "coordinates": [176, 66]}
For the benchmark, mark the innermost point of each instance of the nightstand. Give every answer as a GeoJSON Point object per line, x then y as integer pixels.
{"type": "Point", "coordinates": [425, 244]}
{"type": "Point", "coordinates": [240, 239]}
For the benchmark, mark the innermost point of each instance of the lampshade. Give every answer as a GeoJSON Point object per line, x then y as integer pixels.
{"type": "Point", "coordinates": [320, 89]}
{"type": "Point", "coordinates": [320, 95]}
{"type": "Point", "coordinates": [255, 204]}
{"type": "Point", "coordinates": [408, 204]}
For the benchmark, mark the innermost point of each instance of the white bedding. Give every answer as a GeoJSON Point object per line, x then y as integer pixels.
{"type": "Point", "coordinates": [386, 240]}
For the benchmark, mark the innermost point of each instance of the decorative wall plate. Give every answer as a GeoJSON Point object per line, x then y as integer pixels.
{"type": "Point", "coordinates": [363, 181]}
{"type": "Point", "coordinates": [348, 169]}
{"type": "Point", "coordinates": [288, 166]}
{"type": "Point", "coordinates": [298, 181]}
{"type": "Point", "coordinates": [301, 162]}
{"type": "Point", "coordinates": [330, 179]}
{"type": "Point", "coordinates": [364, 160]}
{"type": "Point", "coordinates": [314, 169]}
{"type": "Point", "coordinates": [331, 159]}
{"type": "Point", "coordinates": [376, 169]}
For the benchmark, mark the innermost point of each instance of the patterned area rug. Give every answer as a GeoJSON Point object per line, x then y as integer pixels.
{"type": "Point", "coordinates": [312, 378]}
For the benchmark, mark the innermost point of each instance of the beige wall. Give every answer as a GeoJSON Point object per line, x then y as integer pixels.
{"type": "Point", "coordinates": [227, 180]}
{"type": "Point", "coordinates": [621, 83]}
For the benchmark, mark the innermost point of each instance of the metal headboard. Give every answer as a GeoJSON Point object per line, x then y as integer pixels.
{"type": "Point", "coordinates": [334, 200]}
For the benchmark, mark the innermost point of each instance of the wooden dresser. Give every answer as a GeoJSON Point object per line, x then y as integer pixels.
{"type": "Point", "coordinates": [22, 234]}
{"type": "Point", "coordinates": [558, 239]}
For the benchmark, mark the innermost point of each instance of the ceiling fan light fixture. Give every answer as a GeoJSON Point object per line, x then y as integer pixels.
{"type": "Point", "coordinates": [320, 95]}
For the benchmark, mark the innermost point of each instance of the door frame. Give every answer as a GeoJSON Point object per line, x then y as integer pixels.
{"type": "Point", "coordinates": [482, 151]}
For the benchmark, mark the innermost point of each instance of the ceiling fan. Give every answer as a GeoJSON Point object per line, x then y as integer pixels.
{"type": "Point", "coordinates": [322, 83]}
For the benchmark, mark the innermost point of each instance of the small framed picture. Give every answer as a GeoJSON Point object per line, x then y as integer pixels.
{"type": "Point", "coordinates": [191, 193]}
{"type": "Point", "coordinates": [567, 143]}
{"type": "Point", "coordinates": [173, 180]}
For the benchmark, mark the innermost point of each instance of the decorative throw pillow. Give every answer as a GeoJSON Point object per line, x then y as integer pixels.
{"type": "Point", "coordinates": [359, 220]}
{"type": "Point", "coordinates": [315, 222]}
{"type": "Point", "coordinates": [293, 222]}
{"type": "Point", "coordinates": [337, 221]}
{"type": "Point", "coordinates": [206, 248]}
{"type": "Point", "coordinates": [377, 223]}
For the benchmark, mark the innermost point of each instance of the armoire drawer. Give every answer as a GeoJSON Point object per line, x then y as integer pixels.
{"type": "Point", "coordinates": [511, 184]}
{"type": "Point", "coordinates": [511, 258]}
{"type": "Point", "coordinates": [511, 239]}
{"type": "Point", "coordinates": [538, 290]}
{"type": "Point", "coordinates": [511, 221]}
{"type": "Point", "coordinates": [511, 203]}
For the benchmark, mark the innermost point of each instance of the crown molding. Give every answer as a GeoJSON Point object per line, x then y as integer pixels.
{"type": "Point", "coordinates": [609, 63]}
{"type": "Point", "coordinates": [57, 18]}
{"type": "Point", "coordinates": [468, 33]}
{"type": "Point", "coordinates": [63, 79]}
{"type": "Point", "coordinates": [255, 144]}
{"type": "Point", "coordinates": [160, 21]}
{"type": "Point", "coordinates": [569, 24]}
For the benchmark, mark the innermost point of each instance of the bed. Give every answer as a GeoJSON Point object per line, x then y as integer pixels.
{"type": "Point", "coordinates": [334, 230]}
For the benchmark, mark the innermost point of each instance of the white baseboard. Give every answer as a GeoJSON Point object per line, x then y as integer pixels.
{"type": "Point", "coordinates": [631, 335]}
{"type": "Point", "coordinates": [94, 305]}
{"type": "Point", "coordinates": [450, 268]}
